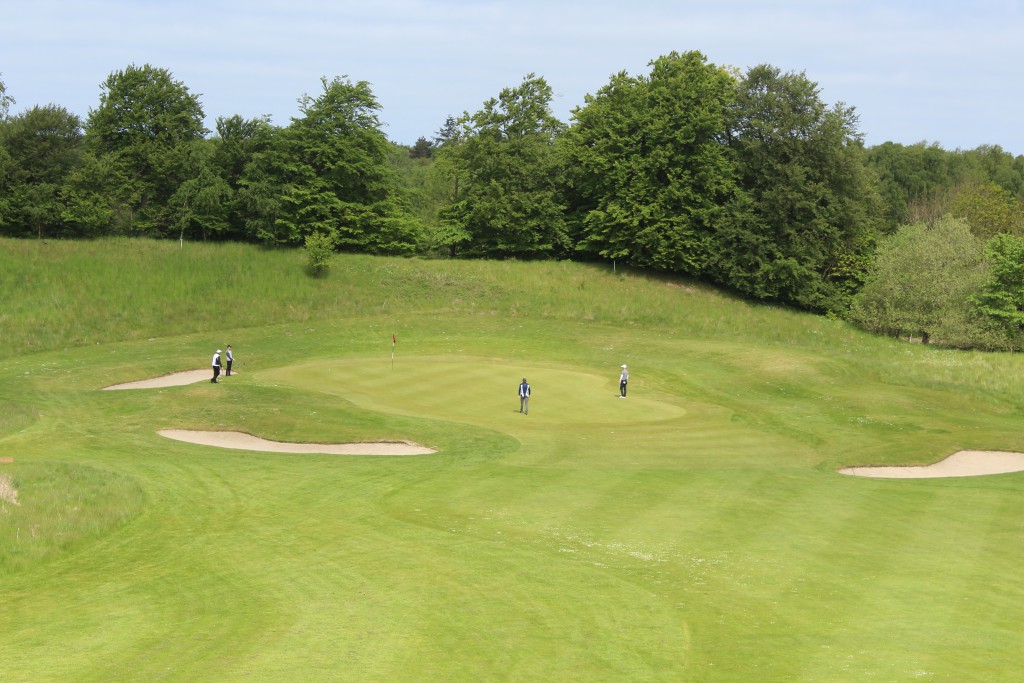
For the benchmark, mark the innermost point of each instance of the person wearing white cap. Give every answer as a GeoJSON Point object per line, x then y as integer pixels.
{"type": "Point", "coordinates": [524, 397]}
{"type": "Point", "coordinates": [623, 381]}
{"type": "Point", "coordinates": [216, 366]}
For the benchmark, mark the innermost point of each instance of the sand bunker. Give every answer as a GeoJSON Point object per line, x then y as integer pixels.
{"type": "Point", "coordinates": [248, 442]}
{"type": "Point", "coordinates": [175, 379]}
{"type": "Point", "coordinates": [960, 464]}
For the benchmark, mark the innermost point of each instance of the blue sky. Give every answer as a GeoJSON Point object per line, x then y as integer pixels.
{"type": "Point", "coordinates": [941, 72]}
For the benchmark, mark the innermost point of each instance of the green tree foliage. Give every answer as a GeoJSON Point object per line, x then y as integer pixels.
{"type": "Point", "coordinates": [1002, 296]}
{"type": "Point", "coordinates": [148, 122]}
{"type": "Point", "coordinates": [5, 158]}
{"type": "Point", "coordinates": [236, 144]}
{"type": "Point", "coordinates": [200, 204]}
{"type": "Point", "coordinates": [988, 208]}
{"type": "Point", "coordinates": [450, 132]}
{"type": "Point", "coordinates": [5, 100]}
{"type": "Point", "coordinates": [446, 143]}
{"type": "Point", "coordinates": [423, 149]}
{"type": "Point", "coordinates": [261, 188]}
{"type": "Point", "coordinates": [423, 190]}
{"type": "Point", "coordinates": [509, 204]}
{"type": "Point", "coordinates": [923, 282]}
{"type": "Point", "coordinates": [448, 235]}
{"type": "Point", "coordinates": [806, 203]}
{"type": "Point", "coordinates": [335, 175]}
{"type": "Point", "coordinates": [906, 174]}
{"type": "Point", "coordinates": [993, 163]}
{"type": "Point", "coordinates": [98, 196]}
{"type": "Point", "coordinates": [648, 170]}
{"type": "Point", "coordinates": [922, 182]}
{"type": "Point", "coordinates": [42, 147]}
{"type": "Point", "coordinates": [319, 247]}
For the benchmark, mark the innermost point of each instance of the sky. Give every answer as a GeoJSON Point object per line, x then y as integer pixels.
{"type": "Point", "coordinates": [946, 73]}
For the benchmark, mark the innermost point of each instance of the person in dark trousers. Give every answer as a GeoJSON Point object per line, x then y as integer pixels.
{"type": "Point", "coordinates": [216, 366]}
{"type": "Point", "coordinates": [230, 358]}
{"type": "Point", "coordinates": [524, 397]}
{"type": "Point", "coordinates": [623, 381]}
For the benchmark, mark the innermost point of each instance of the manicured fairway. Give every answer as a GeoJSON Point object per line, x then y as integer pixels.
{"type": "Point", "coordinates": [695, 531]}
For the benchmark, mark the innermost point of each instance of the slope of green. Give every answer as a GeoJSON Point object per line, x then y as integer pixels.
{"type": "Point", "coordinates": [694, 531]}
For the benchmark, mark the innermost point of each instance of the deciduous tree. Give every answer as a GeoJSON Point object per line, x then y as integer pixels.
{"type": "Point", "coordinates": [923, 282]}
{"type": "Point", "coordinates": [98, 197]}
{"type": "Point", "coordinates": [423, 149]}
{"type": "Point", "coordinates": [43, 145]}
{"type": "Point", "coordinates": [147, 121]}
{"type": "Point", "coordinates": [5, 100]}
{"type": "Point", "coordinates": [806, 203]}
{"type": "Point", "coordinates": [336, 176]}
{"type": "Point", "coordinates": [200, 204]}
{"type": "Point", "coordinates": [988, 208]}
{"type": "Point", "coordinates": [1002, 296]}
{"type": "Point", "coordinates": [508, 203]}
{"type": "Point", "coordinates": [236, 145]}
{"type": "Point", "coordinates": [648, 169]}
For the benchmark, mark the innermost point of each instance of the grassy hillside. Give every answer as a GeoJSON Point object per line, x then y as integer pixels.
{"type": "Point", "coordinates": [694, 531]}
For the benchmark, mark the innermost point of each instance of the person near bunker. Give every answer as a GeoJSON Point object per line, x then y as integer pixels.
{"type": "Point", "coordinates": [229, 358]}
{"type": "Point", "coordinates": [216, 366]}
{"type": "Point", "coordinates": [524, 397]}
{"type": "Point", "coordinates": [623, 381]}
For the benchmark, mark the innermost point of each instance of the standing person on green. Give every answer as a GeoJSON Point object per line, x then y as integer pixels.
{"type": "Point", "coordinates": [230, 358]}
{"type": "Point", "coordinates": [216, 366]}
{"type": "Point", "coordinates": [524, 397]}
{"type": "Point", "coordinates": [623, 381]}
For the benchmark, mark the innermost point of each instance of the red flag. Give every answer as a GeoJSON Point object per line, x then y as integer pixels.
{"type": "Point", "coordinates": [393, 339]}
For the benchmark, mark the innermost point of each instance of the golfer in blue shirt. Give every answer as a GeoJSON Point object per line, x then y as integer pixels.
{"type": "Point", "coordinates": [524, 397]}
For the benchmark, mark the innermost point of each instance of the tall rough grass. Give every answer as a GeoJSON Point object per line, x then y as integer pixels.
{"type": "Point", "coordinates": [59, 294]}
{"type": "Point", "coordinates": [50, 508]}
{"type": "Point", "coordinates": [63, 294]}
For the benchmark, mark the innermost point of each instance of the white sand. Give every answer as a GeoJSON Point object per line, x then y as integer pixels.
{"type": "Point", "coordinates": [248, 442]}
{"type": "Point", "coordinates": [175, 379]}
{"type": "Point", "coordinates": [960, 464]}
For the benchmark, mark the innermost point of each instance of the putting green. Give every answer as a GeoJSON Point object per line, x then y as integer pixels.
{"type": "Point", "coordinates": [478, 391]}
{"type": "Point", "coordinates": [575, 416]}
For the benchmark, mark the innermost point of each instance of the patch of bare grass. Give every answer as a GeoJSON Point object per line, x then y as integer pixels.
{"type": "Point", "coordinates": [8, 492]}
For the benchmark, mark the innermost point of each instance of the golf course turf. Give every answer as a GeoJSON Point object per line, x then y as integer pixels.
{"type": "Point", "coordinates": [698, 530]}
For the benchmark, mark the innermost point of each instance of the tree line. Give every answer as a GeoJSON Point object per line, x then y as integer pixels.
{"type": "Point", "coordinates": [745, 179]}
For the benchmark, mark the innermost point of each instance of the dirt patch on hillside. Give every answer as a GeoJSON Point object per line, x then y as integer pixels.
{"type": "Point", "coordinates": [8, 492]}
{"type": "Point", "coordinates": [248, 442]}
{"type": "Point", "coordinates": [960, 464]}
